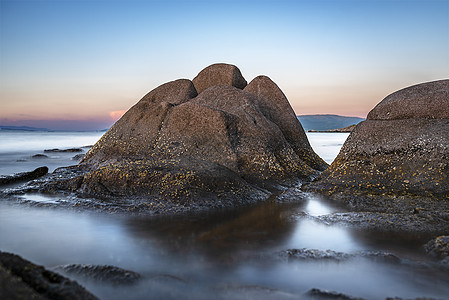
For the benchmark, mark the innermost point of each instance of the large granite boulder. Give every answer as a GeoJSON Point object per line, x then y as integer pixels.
{"type": "Point", "coordinates": [402, 149]}
{"type": "Point", "coordinates": [221, 146]}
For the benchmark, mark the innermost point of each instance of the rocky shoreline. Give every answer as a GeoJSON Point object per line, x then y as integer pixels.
{"type": "Point", "coordinates": [22, 278]}
{"type": "Point", "coordinates": [217, 142]}
{"type": "Point", "coordinates": [393, 179]}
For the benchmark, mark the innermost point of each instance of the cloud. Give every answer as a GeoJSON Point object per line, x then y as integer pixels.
{"type": "Point", "coordinates": [116, 114]}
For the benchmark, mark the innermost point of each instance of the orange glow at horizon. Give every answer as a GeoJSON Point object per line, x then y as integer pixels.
{"type": "Point", "coordinates": [116, 114]}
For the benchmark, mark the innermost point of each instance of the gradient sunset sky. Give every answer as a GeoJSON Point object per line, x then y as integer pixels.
{"type": "Point", "coordinates": [80, 64]}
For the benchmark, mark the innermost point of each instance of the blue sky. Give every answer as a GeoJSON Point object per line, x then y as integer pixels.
{"type": "Point", "coordinates": [78, 64]}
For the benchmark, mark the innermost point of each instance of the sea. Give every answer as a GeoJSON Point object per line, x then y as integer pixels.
{"type": "Point", "coordinates": [226, 254]}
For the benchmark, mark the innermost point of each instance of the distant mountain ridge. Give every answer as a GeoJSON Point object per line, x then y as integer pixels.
{"type": "Point", "coordinates": [23, 128]}
{"type": "Point", "coordinates": [327, 122]}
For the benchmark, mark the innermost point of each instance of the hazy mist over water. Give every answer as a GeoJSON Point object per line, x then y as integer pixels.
{"type": "Point", "coordinates": [18, 147]}
{"type": "Point", "coordinates": [228, 254]}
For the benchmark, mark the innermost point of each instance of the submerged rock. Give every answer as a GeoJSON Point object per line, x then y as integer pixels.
{"type": "Point", "coordinates": [401, 149]}
{"type": "Point", "coordinates": [438, 247]}
{"type": "Point", "coordinates": [205, 142]}
{"type": "Point", "coordinates": [390, 222]}
{"type": "Point", "coordinates": [56, 150]}
{"type": "Point", "coordinates": [25, 176]}
{"type": "Point", "coordinates": [21, 279]}
{"type": "Point", "coordinates": [78, 157]}
{"type": "Point", "coordinates": [39, 156]}
{"type": "Point", "coordinates": [326, 294]}
{"type": "Point", "coordinates": [109, 274]}
{"type": "Point", "coordinates": [330, 255]}
{"type": "Point", "coordinates": [235, 291]}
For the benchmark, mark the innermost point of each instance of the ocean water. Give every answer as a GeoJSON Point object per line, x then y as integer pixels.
{"type": "Point", "coordinates": [327, 145]}
{"type": "Point", "coordinates": [17, 149]}
{"type": "Point", "coordinates": [229, 254]}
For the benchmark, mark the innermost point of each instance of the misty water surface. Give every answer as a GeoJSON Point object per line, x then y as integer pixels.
{"type": "Point", "coordinates": [228, 254]}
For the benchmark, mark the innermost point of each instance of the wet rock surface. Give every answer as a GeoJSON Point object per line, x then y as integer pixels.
{"type": "Point", "coordinates": [330, 255]}
{"type": "Point", "coordinates": [254, 292]}
{"type": "Point", "coordinates": [39, 156]}
{"type": "Point", "coordinates": [205, 143]}
{"type": "Point", "coordinates": [25, 176]}
{"type": "Point", "coordinates": [56, 150]}
{"type": "Point", "coordinates": [326, 294]}
{"type": "Point", "coordinates": [108, 274]}
{"type": "Point", "coordinates": [21, 279]}
{"type": "Point", "coordinates": [438, 247]}
{"type": "Point", "coordinates": [78, 157]}
{"type": "Point", "coordinates": [393, 222]}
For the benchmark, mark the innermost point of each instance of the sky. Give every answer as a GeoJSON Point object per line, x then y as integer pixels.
{"type": "Point", "coordinates": [80, 64]}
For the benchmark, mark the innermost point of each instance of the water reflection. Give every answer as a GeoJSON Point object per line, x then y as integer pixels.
{"type": "Point", "coordinates": [220, 235]}
{"type": "Point", "coordinates": [327, 145]}
{"type": "Point", "coordinates": [311, 234]}
{"type": "Point", "coordinates": [230, 254]}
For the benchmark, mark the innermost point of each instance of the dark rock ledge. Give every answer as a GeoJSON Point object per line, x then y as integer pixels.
{"type": "Point", "coordinates": [21, 279]}
{"type": "Point", "coordinates": [25, 176]}
{"type": "Point", "coordinates": [109, 274]}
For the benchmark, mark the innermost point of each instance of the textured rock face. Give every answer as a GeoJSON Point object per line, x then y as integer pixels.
{"type": "Point", "coordinates": [25, 176]}
{"type": "Point", "coordinates": [401, 149]}
{"type": "Point", "coordinates": [422, 101]}
{"type": "Point", "coordinates": [21, 279]}
{"type": "Point", "coordinates": [219, 74]}
{"type": "Point", "coordinates": [224, 145]}
{"type": "Point", "coordinates": [276, 108]}
{"type": "Point", "coordinates": [134, 135]}
{"type": "Point", "coordinates": [438, 247]}
{"type": "Point", "coordinates": [107, 274]}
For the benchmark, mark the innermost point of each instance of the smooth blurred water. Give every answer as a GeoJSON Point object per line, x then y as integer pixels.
{"type": "Point", "coordinates": [18, 147]}
{"type": "Point", "coordinates": [232, 254]}
{"type": "Point", "coordinates": [327, 145]}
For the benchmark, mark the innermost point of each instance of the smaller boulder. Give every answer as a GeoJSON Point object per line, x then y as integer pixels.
{"type": "Point", "coordinates": [217, 74]}
{"type": "Point", "coordinates": [427, 101]}
{"type": "Point", "coordinates": [173, 92]}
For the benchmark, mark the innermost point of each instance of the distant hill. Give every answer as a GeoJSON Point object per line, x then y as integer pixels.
{"type": "Point", "coordinates": [327, 122]}
{"type": "Point", "coordinates": [23, 128]}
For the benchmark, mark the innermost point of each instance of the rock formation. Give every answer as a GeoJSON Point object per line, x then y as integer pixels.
{"type": "Point", "coordinates": [25, 176]}
{"type": "Point", "coordinates": [217, 74]}
{"type": "Point", "coordinates": [401, 149]}
{"type": "Point", "coordinates": [438, 247]}
{"type": "Point", "coordinates": [21, 279]}
{"type": "Point", "coordinates": [206, 141]}
{"type": "Point", "coordinates": [104, 273]}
